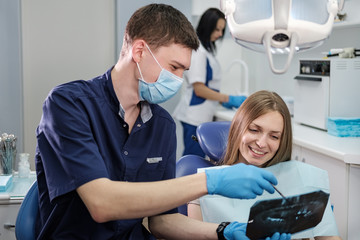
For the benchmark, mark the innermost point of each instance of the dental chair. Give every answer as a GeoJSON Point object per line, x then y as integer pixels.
{"type": "Point", "coordinates": [27, 215]}
{"type": "Point", "coordinates": [212, 137]}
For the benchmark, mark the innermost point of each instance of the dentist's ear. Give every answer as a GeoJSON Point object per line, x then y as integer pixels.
{"type": "Point", "coordinates": [137, 50]}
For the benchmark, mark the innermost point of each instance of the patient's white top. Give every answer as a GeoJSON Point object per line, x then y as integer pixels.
{"type": "Point", "coordinates": [294, 178]}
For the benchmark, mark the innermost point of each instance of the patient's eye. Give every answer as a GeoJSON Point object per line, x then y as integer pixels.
{"type": "Point", "coordinates": [253, 129]}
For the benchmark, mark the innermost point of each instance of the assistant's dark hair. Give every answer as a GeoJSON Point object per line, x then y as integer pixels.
{"type": "Point", "coordinates": [207, 25]}
{"type": "Point", "coordinates": [160, 25]}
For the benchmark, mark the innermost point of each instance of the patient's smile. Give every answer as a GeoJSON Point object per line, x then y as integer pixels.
{"type": "Point", "coordinates": [256, 151]}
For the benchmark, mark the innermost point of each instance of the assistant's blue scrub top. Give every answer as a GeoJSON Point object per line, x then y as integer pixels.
{"type": "Point", "coordinates": [82, 137]}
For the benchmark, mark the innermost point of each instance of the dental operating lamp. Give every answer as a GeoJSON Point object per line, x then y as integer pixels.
{"type": "Point", "coordinates": [280, 26]}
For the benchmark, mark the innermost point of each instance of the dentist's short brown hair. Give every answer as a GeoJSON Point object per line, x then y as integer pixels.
{"type": "Point", "coordinates": [160, 25]}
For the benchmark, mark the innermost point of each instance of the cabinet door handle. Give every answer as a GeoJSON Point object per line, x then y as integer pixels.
{"type": "Point", "coordinates": [9, 225]}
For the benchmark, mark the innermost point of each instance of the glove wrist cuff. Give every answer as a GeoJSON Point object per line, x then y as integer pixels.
{"type": "Point", "coordinates": [220, 230]}
{"type": "Point", "coordinates": [210, 182]}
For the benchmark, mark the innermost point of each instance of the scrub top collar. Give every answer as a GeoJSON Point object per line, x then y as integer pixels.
{"type": "Point", "coordinates": [146, 112]}
{"type": "Point", "coordinates": [145, 109]}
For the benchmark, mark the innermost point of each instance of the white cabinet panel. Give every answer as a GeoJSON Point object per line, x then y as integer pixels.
{"type": "Point", "coordinates": [338, 177]}
{"type": "Point", "coordinates": [10, 202]}
{"type": "Point", "coordinates": [354, 207]}
{"type": "Point", "coordinates": [8, 213]}
{"type": "Point", "coordinates": [296, 153]}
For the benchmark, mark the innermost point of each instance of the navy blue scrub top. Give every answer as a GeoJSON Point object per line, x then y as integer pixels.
{"type": "Point", "coordinates": [82, 136]}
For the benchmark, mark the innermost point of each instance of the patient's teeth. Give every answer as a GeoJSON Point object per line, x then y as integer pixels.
{"type": "Point", "coordinates": [257, 152]}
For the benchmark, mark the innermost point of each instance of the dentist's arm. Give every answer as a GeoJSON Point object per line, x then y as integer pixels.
{"type": "Point", "coordinates": [109, 200]}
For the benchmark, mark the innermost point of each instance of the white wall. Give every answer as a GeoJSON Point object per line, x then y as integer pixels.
{"type": "Point", "coordinates": [63, 40]}
{"type": "Point", "coordinates": [11, 109]}
{"type": "Point", "coordinates": [233, 74]}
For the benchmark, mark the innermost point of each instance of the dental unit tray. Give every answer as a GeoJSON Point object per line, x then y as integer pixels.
{"type": "Point", "coordinates": [292, 215]}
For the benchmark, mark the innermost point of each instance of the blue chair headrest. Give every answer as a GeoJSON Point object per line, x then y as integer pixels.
{"type": "Point", "coordinates": [187, 165]}
{"type": "Point", "coordinates": [213, 137]}
{"type": "Point", "coordinates": [27, 215]}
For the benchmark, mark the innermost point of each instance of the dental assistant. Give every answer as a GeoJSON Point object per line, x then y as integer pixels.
{"type": "Point", "coordinates": [201, 97]}
{"type": "Point", "coordinates": [105, 156]}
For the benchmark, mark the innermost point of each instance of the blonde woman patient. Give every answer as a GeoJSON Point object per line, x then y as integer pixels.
{"type": "Point", "coordinates": [261, 135]}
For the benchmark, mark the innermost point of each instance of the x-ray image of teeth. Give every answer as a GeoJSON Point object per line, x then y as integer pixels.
{"type": "Point", "coordinates": [292, 215]}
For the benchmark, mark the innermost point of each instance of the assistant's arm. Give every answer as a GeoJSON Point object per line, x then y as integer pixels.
{"type": "Point", "coordinates": [201, 90]}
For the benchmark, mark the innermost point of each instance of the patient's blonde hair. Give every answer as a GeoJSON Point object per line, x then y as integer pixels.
{"type": "Point", "coordinates": [254, 106]}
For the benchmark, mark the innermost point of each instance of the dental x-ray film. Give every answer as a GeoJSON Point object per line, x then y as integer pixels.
{"type": "Point", "coordinates": [290, 215]}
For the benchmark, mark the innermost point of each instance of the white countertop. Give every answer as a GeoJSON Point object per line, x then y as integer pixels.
{"type": "Point", "coordinates": [18, 189]}
{"type": "Point", "coordinates": [224, 114]}
{"type": "Point", "coordinates": [346, 149]}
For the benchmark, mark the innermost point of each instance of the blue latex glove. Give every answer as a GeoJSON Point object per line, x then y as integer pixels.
{"type": "Point", "coordinates": [278, 236]}
{"type": "Point", "coordinates": [234, 101]}
{"type": "Point", "coordinates": [239, 181]}
{"type": "Point", "coordinates": [237, 231]}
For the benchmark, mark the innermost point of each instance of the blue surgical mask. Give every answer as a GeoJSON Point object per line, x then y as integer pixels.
{"type": "Point", "coordinates": [165, 87]}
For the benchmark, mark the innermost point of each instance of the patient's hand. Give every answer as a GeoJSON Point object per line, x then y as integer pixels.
{"type": "Point", "coordinates": [237, 231]}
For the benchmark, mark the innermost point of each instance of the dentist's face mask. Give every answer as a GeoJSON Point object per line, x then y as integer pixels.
{"type": "Point", "coordinates": [165, 87]}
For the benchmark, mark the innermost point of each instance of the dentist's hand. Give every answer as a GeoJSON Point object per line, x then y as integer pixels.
{"type": "Point", "coordinates": [234, 101]}
{"type": "Point", "coordinates": [237, 231]}
{"type": "Point", "coordinates": [239, 181]}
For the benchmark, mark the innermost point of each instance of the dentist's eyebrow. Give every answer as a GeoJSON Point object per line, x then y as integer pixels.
{"type": "Point", "coordinates": [180, 65]}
